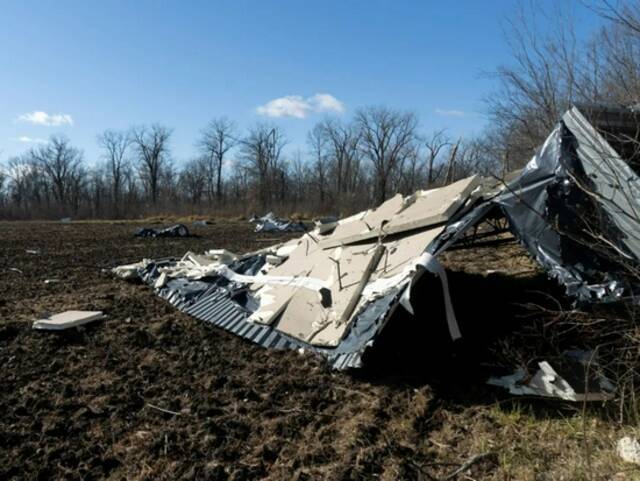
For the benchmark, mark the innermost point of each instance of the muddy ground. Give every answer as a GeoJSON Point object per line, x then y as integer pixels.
{"type": "Point", "coordinates": [150, 393]}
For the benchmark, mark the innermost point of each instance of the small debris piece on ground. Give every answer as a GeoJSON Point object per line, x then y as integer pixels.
{"type": "Point", "coordinates": [67, 319]}
{"type": "Point", "coordinates": [628, 449]}
{"type": "Point", "coordinates": [573, 377]}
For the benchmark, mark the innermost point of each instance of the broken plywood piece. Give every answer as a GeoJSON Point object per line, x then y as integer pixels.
{"type": "Point", "coordinates": [401, 253]}
{"type": "Point", "coordinates": [345, 231]}
{"type": "Point", "coordinates": [67, 319]}
{"type": "Point", "coordinates": [307, 319]}
{"type": "Point", "coordinates": [433, 206]}
{"type": "Point", "coordinates": [273, 299]}
{"type": "Point", "coordinates": [384, 213]}
{"type": "Point", "coordinates": [367, 225]}
{"type": "Point", "coordinates": [423, 209]}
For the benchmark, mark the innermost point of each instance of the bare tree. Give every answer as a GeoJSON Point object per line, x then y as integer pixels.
{"type": "Point", "coordinates": [152, 147]}
{"type": "Point", "coordinates": [411, 176]}
{"type": "Point", "coordinates": [4, 176]}
{"type": "Point", "coordinates": [115, 145]}
{"type": "Point", "coordinates": [540, 82]}
{"type": "Point", "coordinates": [216, 140]}
{"type": "Point", "coordinates": [618, 60]}
{"type": "Point", "coordinates": [61, 164]}
{"type": "Point", "coordinates": [299, 178]}
{"type": "Point", "coordinates": [388, 137]}
{"type": "Point", "coordinates": [316, 141]}
{"type": "Point", "coordinates": [625, 13]}
{"type": "Point", "coordinates": [342, 141]}
{"type": "Point", "coordinates": [261, 150]}
{"type": "Point", "coordinates": [193, 179]}
{"type": "Point", "coordinates": [434, 145]}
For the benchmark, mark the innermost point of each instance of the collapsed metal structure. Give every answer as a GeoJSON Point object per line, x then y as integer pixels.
{"type": "Point", "coordinates": [574, 208]}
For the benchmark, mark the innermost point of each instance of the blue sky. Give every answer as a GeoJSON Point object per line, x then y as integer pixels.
{"type": "Point", "coordinates": [80, 67]}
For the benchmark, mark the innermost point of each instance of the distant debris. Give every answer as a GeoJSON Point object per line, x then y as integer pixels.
{"type": "Point", "coordinates": [67, 319]}
{"type": "Point", "coordinates": [270, 223]}
{"type": "Point", "coordinates": [178, 230]}
{"type": "Point", "coordinates": [65, 220]}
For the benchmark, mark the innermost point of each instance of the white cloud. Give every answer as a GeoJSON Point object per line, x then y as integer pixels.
{"type": "Point", "coordinates": [38, 117]}
{"type": "Point", "coordinates": [299, 107]}
{"type": "Point", "coordinates": [289, 106]}
{"type": "Point", "coordinates": [326, 103]}
{"type": "Point", "coordinates": [451, 113]}
{"type": "Point", "coordinates": [29, 140]}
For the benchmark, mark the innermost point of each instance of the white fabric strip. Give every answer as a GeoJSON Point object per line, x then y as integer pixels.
{"type": "Point", "coordinates": [426, 261]}
{"type": "Point", "coordinates": [431, 264]}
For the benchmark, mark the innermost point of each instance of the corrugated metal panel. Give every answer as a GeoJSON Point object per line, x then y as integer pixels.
{"type": "Point", "coordinates": [214, 305]}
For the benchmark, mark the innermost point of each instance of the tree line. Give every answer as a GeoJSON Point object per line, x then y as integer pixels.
{"type": "Point", "coordinates": [347, 164]}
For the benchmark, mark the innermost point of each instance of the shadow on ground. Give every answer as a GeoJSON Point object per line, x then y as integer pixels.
{"type": "Point", "coordinates": [419, 350]}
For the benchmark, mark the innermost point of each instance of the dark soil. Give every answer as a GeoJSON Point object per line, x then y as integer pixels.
{"type": "Point", "coordinates": [150, 393]}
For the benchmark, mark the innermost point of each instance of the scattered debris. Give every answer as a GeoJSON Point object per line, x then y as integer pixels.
{"type": "Point", "coordinates": [51, 281]}
{"type": "Point", "coordinates": [201, 222]}
{"type": "Point", "coordinates": [15, 269]}
{"type": "Point", "coordinates": [574, 377]}
{"type": "Point", "coordinates": [270, 223]}
{"type": "Point", "coordinates": [628, 449]}
{"type": "Point", "coordinates": [65, 220]}
{"type": "Point", "coordinates": [131, 271]}
{"type": "Point", "coordinates": [166, 411]}
{"type": "Point", "coordinates": [32, 251]}
{"type": "Point", "coordinates": [178, 230]}
{"type": "Point", "coordinates": [333, 290]}
{"type": "Point", "coordinates": [67, 319]}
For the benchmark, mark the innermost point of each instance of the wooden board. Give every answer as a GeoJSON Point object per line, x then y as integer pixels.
{"type": "Point", "coordinates": [430, 208]}
{"type": "Point", "coordinates": [307, 319]}
{"type": "Point", "coordinates": [67, 319]}
{"type": "Point", "coordinates": [401, 252]}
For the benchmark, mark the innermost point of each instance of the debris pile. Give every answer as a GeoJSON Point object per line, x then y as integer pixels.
{"type": "Point", "coordinates": [178, 230]}
{"type": "Point", "coordinates": [270, 223]}
{"type": "Point", "coordinates": [333, 290]}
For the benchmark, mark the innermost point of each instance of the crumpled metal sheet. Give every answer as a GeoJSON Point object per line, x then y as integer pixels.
{"type": "Point", "coordinates": [223, 304]}
{"type": "Point", "coordinates": [574, 376]}
{"type": "Point", "coordinates": [270, 223]}
{"type": "Point", "coordinates": [178, 230]}
{"type": "Point", "coordinates": [548, 202]}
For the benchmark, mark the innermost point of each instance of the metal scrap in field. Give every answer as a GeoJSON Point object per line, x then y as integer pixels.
{"type": "Point", "coordinates": [178, 230]}
{"type": "Point", "coordinates": [270, 223]}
